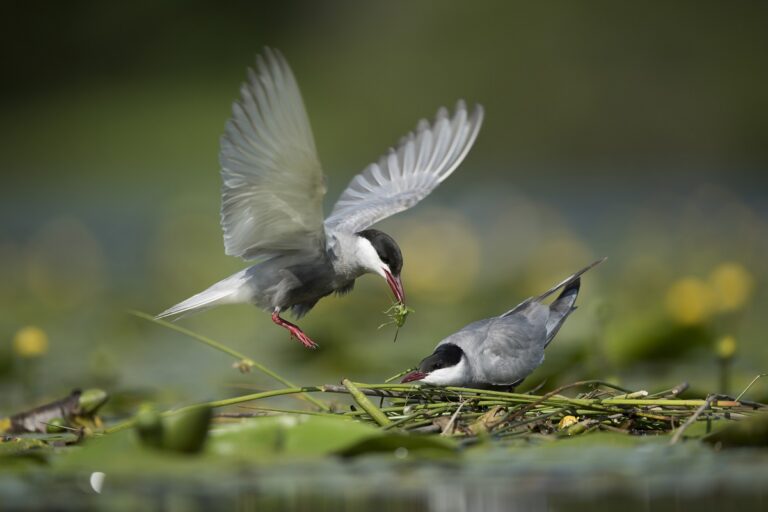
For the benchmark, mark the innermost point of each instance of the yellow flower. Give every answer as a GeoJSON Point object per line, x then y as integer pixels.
{"type": "Point", "coordinates": [690, 301]}
{"type": "Point", "coordinates": [732, 284]}
{"type": "Point", "coordinates": [30, 341]}
{"type": "Point", "coordinates": [566, 422]}
{"type": "Point", "coordinates": [726, 347]}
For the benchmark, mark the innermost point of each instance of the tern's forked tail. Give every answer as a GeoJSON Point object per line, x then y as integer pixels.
{"type": "Point", "coordinates": [564, 304]}
{"type": "Point", "coordinates": [226, 291]}
{"type": "Point", "coordinates": [568, 280]}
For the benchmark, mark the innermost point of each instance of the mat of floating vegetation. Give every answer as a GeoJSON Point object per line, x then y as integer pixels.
{"type": "Point", "coordinates": [471, 413]}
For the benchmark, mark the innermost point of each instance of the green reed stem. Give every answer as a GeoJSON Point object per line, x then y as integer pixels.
{"type": "Point", "coordinates": [368, 406]}
{"type": "Point", "coordinates": [229, 351]}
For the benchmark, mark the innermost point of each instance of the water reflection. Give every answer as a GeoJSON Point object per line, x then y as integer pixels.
{"type": "Point", "coordinates": [570, 475]}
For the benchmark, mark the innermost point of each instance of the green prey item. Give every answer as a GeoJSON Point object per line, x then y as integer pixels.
{"type": "Point", "coordinates": [397, 314]}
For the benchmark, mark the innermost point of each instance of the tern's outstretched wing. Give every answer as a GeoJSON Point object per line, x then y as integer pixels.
{"type": "Point", "coordinates": [273, 185]}
{"type": "Point", "coordinates": [405, 176]}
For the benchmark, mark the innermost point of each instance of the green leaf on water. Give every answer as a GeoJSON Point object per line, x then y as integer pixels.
{"type": "Point", "coordinates": [299, 436]}
{"type": "Point", "coordinates": [402, 445]}
{"type": "Point", "coordinates": [751, 431]}
{"type": "Point", "coordinates": [318, 436]}
{"type": "Point", "coordinates": [702, 427]}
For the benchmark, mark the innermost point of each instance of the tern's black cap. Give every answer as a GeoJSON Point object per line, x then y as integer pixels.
{"type": "Point", "coordinates": [444, 356]}
{"type": "Point", "coordinates": [386, 248]}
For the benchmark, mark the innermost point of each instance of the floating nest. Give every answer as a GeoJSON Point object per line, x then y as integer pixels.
{"type": "Point", "coordinates": [473, 413]}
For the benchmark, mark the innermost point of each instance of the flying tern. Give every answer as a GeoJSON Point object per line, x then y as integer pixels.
{"type": "Point", "coordinates": [272, 200]}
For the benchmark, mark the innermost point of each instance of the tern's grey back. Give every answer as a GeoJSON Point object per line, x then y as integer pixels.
{"type": "Point", "coordinates": [503, 350]}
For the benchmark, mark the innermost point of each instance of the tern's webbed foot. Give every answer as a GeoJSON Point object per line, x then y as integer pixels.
{"type": "Point", "coordinates": [303, 338]}
{"type": "Point", "coordinates": [295, 331]}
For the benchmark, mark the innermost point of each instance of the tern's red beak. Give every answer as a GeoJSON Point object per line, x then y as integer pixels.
{"type": "Point", "coordinates": [416, 375]}
{"type": "Point", "coordinates": [396, 285]}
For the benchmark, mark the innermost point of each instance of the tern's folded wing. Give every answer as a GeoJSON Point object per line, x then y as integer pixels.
{"type": "Point", "coordinates": [511, 349]}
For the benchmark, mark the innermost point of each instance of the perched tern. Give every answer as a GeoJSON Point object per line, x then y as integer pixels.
{"type": "Point", "coordinates": [504, 350]}
{"type": "Point", "coordinates": [272, 200]}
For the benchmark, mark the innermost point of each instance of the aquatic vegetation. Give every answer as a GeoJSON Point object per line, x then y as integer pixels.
{"type": "Point", "coordinates": [397, 314]}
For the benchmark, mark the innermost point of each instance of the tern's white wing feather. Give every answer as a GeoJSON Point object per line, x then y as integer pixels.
{"type": "Point", "coordinates": [405, 176]}
{"type": "Point", "coordinates": [273, 185]}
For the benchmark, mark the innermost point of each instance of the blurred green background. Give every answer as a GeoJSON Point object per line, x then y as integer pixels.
{"type": "Point", "coordinates": [637, 132]}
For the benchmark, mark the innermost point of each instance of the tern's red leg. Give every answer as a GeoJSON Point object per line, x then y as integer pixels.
{"type": "Point", "coordinates": [293, 329]}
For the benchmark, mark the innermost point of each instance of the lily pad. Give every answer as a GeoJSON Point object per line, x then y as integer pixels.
{"type": "Point", "coordinates": [752, 431]}
{"type": "Point", "coordinates": [317, 436]}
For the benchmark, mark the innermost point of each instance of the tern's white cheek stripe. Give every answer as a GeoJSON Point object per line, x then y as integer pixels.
{"type": "Point", "coordinates": [450, 375]}
{"type": "Point", "coordinates": [367, 257]}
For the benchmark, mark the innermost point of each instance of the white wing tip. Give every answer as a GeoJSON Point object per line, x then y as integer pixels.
{"type": "Point", "coordinates": [475, 118]}
{"type": "Point", "coordinates": [477, 113]}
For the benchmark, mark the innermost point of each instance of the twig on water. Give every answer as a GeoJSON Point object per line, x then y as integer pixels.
{"type": "Point", "coordinates": [447, 430]}
{"type": "Point", "coordinates": [368, 406]}
{"type": "Point", "coordinates": [758, 377]}
{"type": "Point", "coordinates": [679, 432]}
{"type": "Point", "coordinates": [398, 375]}
{"type": "Point", "coordinates": [672, 392]}
{"type": "Point", "coordinates": [332, 388]}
